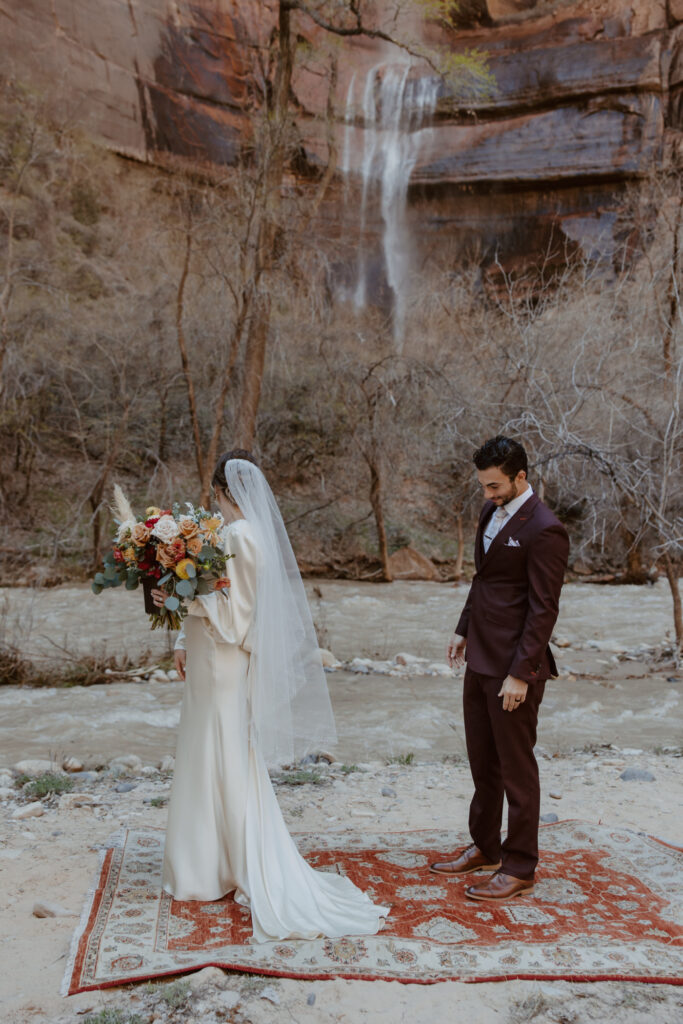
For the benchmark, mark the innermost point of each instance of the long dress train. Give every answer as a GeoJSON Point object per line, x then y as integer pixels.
{"type": "Point", "coordinates": [225, 827]}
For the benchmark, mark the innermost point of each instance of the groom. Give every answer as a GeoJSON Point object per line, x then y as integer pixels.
{"type": "Point", "coordinates": [521, 553]}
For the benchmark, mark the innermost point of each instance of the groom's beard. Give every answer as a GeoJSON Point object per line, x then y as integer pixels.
{"type": "Point", "coordinates": [503, 499]}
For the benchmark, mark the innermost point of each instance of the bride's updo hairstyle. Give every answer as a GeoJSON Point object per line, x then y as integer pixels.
{"type": "Point", "coordinates": [218, 479]}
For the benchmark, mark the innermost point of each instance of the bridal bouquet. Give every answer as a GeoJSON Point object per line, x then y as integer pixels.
{"type": "Point", "coordinates": [178, 552]}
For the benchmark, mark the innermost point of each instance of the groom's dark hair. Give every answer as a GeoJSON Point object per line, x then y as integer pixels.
{"type": "Point", "coordinates": [507, 455]}
{"type": "Point", "coordinates": [218, 479]}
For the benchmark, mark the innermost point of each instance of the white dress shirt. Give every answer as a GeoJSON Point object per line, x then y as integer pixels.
{"type": "Point", "coordinates": [497, 522]}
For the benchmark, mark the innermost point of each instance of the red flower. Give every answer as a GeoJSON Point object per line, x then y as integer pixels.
{"type": "Point", "coordinates": [150, 522]}
{"type": "Point", "coordinates": [221, 584]}
{"type": "Point", "coordinates": [118, 555]}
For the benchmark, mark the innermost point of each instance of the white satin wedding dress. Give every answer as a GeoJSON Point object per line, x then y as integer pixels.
{"type": "Point", "coordinates": [225, 828]}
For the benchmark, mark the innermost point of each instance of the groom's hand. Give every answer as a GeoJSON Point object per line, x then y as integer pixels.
{"type": "Point", "coordinates": [455, 652]}
{"type": "Point", "coordinates": [513, 692]}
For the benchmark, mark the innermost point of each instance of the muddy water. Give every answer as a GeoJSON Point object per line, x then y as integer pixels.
{"type": "Point", "coordinates": [598, 699]}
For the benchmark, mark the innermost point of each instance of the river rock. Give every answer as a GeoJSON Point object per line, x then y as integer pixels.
{"type": "Point", "coordinates": [67, 801]}
{"type": "Point", "coordinates": [167, 763]}
{"type": "Point", "coordinates": [172, 675]}
{"type": "Point", "coordinates": [554, 794]}
{"type": "Point", "coordinates": [409, 564]}
{"type": "Point", "coordinates": [124, 787]}
{"type": "Point", "coordinates": [328, 659]}
{"type": "Point", "coordinates": [37, 767]}
{"type": "Point", "coordinates": [34, 810]}
{"type": "Point", "coordinates": [637, 775]}
{"type": "Point", "coordinates": [45, 908]}
{"type": "Point", "coordinates": [408, 659]}
{"type": "Point", "coordinates": [72, 764]}
{"type": "Point", "coordinates": [206, 978]}
{"type": "Point", "coordinates": [159, 676]}
{"type": "Point", "coordinates": [7, 792]}
{"type": "Point", "coordinates": [129, 763]}
{"type": "Point", "coordinates": [388, 791]}
{"type": "Point", "coordinates": [549, 819]}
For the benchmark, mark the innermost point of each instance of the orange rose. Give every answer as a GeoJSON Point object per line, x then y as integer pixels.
{"type": "Point", "coordinates": [165, 557]}
{"type": "Point", "coordinates": [194, 545]}
{"type": "Point", "coordinates": [188, 527]}
{"type": "Point", "coordinates": [129, 554]}
{"type": "Point", "coordinates": [140, 534]}
{"type": "Point", "coordinates": [222, 584]}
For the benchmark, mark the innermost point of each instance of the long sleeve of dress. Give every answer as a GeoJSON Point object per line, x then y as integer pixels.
{"type": "Point", "coordinates": [229, 613]}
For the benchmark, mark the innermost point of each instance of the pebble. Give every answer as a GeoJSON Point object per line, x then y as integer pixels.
{"type": "Point", "coordinates": [167, 764]}
{"type": "Point", "coordinates": [172, 675]}
{"type": "Point", "coordinates": [388, 791]}
{"type": "Point", "coordinates": [408, 659]}
{"type": "Point", "coordinates": [311, 999]}
{"type": "Point", "coordinates": [7, 792]}
{"type": "Point", "coordinates": [206, 977]}
{"type": "Point", "coordinates": [6, 777]}
{"type": "Point", "coordinates": [270, 994]}
{"type": "Point", "coordinates": [85, 776]}
{"type": "Point", "coordinates": [555, 795]}
{"type": "Point", "coordinates": [72, 764]}
{"type": "Point", "coordinates": [549, 819]}
{"type": "Point", "coordinates": [69, 800]}
{"type": "Point", "coordinates": [34, 767]}
{"type": "Point", "coordinates": [159, 677]}
{"type": "Point", "coordinates": [124, 787]}
{"type": "Point", "coordinates": [637, 775]}
{"type": "Point", "coordinates": [44, 908]}
{"type": "Point", "coordinates": [34, 810]}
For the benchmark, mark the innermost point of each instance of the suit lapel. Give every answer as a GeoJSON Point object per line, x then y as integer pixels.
{"type": "Point", "coordinates": [513, 525]}
{"type": "Point", "coordinates": [479, 552]}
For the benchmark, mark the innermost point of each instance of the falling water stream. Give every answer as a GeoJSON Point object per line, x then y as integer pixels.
{"type": "Point", "coordinates": [395, 107]}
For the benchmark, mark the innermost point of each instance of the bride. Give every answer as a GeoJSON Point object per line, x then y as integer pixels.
{"type": "Point", "coordinates": [255, 694]}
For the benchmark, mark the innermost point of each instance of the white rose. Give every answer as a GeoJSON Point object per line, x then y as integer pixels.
{"type": "Point", "coordinates": [165, 529]}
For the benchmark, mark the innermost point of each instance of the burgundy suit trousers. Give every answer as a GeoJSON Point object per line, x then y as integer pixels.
{"type": "Point", "coordinates": [500, 747]}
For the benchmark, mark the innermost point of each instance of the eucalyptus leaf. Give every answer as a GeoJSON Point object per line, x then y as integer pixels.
{"type": "Point", "coordinates": [207, 553]}
{"type": "Point", "coordinates": [190, 569]}
{"type": "Point", "coordinates": [172, 604]}
{"type": "Point", "coordinates": [110, 572]}
{"type": "Point", "coordinates": [99, 579]}
{"type": "Point", "coordinates": [132, 582]}
{"type": "Point", "coordinates": [164, 579]}
{"type": "Point", "coordinates": [184, 588]}
{"type": "Point", "coordinates": [97, 588]}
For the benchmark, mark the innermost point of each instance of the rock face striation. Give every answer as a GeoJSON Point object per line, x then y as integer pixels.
{"type": "Point", "coordinates": [588, 98]}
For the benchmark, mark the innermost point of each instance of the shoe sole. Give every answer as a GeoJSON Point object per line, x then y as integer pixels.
{"type": "Point", "coordinates": [500, 899]}
{"type": "Point", "coordinates": [465, 871]}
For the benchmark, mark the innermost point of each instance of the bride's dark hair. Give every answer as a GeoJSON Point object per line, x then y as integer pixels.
{"type": "Point", "coordinates": [218, 479]}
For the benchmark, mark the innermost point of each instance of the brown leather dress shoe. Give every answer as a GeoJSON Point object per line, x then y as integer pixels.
{"type": "Point", "coordinates": [471, 859]}
{"type": "Point", "coordinates": [500, 887]}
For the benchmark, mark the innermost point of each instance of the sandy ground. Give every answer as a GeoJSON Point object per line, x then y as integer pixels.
{"type": "Point", "coordinates": [616, 705]}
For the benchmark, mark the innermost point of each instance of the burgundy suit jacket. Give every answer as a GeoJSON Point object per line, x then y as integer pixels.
{"type": "Point", "coordinates": [513, 602]}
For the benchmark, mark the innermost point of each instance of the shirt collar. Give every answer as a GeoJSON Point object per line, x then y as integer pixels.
{"type": "Point", "coordinates": [516, 503]}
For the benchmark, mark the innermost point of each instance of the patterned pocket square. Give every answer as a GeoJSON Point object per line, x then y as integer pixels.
{"type": "Point", "coordinates": [512, 543]}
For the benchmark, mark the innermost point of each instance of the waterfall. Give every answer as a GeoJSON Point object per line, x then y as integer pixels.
{"type": "Point", "coordinates": [395, 107]}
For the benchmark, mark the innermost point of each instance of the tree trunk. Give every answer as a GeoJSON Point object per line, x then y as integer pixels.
{"type": "Point", "coordinates": [378, 511]}
{"type": "Point", "coordinates": [672, 577]}
{"type": "Point", "coordinates": [252, 376]}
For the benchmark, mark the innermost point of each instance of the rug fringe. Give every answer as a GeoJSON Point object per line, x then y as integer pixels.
{"type": "Point", "coordinates": [116, 841]}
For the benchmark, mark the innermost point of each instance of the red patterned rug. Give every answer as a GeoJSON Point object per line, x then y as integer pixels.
{"type": "Point", "coordinates": [607, 906]}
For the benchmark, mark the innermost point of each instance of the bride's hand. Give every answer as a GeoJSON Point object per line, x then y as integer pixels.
{"type": "Point", "coordinates": [180, 657]}
{"type": "Point", "coordinates": [159, 597]}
